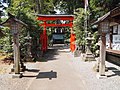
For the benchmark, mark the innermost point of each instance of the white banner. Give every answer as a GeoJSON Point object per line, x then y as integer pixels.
{"type": "Point", "coordinates": [116, 42]}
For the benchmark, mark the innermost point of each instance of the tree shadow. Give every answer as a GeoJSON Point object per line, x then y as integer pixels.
{"type": "Point", "coordinates": [50, 55]}
{"type": "Point", "coordinates": [53, 51]}
{"type": "Point", "coordinates": [33, 70]}
{"type": "Point", "coordinates": [62, 48]}
{"type": "Point", "coordinates": [41, 75]}
{"type": "Point", "coordinates": [49, 75]}
{"type": "Point", "coordinates": [115, 71]}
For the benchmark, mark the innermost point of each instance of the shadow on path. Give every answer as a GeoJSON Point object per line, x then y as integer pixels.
{"type": "Point", "coordinates": [42, 75]}
{"type": "Point", "coordinates": [115, 71]}
{"type": "Point", "coordinates": [50, 55]}
{"type": "Point", "coordinates": [32, 70]}
{"type": "Point", "coordinates": [53, 51]}
{"type": "Point", "coordinates": [49, 75]}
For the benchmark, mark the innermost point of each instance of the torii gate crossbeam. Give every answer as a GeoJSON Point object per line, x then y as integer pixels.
{"type": "Point", "coordinates": [45, 18]}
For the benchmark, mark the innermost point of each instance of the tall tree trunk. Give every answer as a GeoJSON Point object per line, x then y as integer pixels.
{"type": "Point", "coordinates": [38, 3]}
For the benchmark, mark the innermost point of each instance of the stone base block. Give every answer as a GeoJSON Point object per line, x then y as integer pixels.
{"type": "Point", "coordinates": [96, 68]}
{"type": "Point", "coordinates": [12, 69]}
{"type": "Point", "coordinates": [17, 75]}
{"type": "Point", "coordinates": [89, 58]}
{"type": "Point", "coordinates": [101, 76]}
{"type": "Point", "coordinates": [82, 56]}
{"type": "Point", "coordinates": [22, 69]}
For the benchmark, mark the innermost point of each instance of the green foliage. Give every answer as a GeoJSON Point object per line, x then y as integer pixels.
{"type": "Point", "coordinates": [68, 6]}
{"type": "Point", "coordinates": [79, 26]}
{"type": "Point", "coordinates": [5, 42]}
{"type": "Point", "coordinates": [47, 6]}
{"type": "Point", "coordinates": [94, 46]}
{"type": "Point", "coordinates": [25, 10]}
{"type": "Point", "coordinates": [100, 7]}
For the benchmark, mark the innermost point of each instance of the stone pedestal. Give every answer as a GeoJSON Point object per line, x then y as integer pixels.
{"type": "Point", "coordinates": [76, 52]}
{"type": "Point", "coordinates": [97, 65]}
{"type": "Point", "coordinates": [17, 75]}
{"type": "Point", "coordinates": [101, 76]}
{"type": "Point", "coordinates": [22, 67]}
{"type": "Point", "coordinates": [89, 56]}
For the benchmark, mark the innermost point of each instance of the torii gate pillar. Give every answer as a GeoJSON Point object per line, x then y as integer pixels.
{"type": "Point", "coordinates": [44, 37]}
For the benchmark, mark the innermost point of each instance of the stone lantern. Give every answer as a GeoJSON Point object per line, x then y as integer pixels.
{"type": "Point", "coordinates": [89, 56]}
{"type": "Point", "coordinates": [28, 45]}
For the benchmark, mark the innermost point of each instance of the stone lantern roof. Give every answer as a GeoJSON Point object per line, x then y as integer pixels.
{"type": "Point", "coordinates": [13, 19]}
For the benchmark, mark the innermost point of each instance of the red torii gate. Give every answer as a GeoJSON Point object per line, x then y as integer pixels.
{"type": "Point", "coordinates": [44, 37]}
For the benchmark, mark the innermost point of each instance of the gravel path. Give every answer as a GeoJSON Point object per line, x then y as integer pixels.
{"type": "Point", "coordinates": [62, 71]}
{"type": "Point", "coordinates": [8, 83]}
{"type": "Point", "coordinates": [69, 66]}
{"type": "Point", "coordinates": [56, 73]}
{"type": "Point", "coordinates": [85, 69]}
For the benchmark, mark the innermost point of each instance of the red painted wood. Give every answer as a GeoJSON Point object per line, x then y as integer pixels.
{"type": "Point", "coordinates": [43, 40]}
{"type": "Point", "coordinates": [72, 42]}
{"type": "Point", "coordinates": [57, 25]}
{"type": "Point", "coordinates": [55, 18]}
{"type": "Point", "coordinates": [44, 37]}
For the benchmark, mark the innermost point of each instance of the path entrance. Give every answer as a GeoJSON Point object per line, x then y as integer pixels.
{"type": "Point", "coordinates": [57, 72]}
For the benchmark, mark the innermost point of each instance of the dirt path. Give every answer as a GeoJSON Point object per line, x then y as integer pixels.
{"type": "Point", "coordinates": [57, 72]}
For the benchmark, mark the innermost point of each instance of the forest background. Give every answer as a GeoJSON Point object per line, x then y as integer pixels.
{"type": "Point", "coordinates": [26, 10]}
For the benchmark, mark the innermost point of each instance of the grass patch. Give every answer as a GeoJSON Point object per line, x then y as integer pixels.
{"type": "Point", "coordinates": [2, 57]}
{"type": "Point", "coordinates": [6, 58]}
